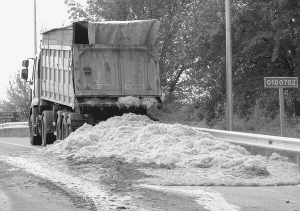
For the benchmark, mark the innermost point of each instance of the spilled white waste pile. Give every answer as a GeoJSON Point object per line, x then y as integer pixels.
{"type": "Point", "coordinates": [138, 140]}
{"type": "Point", "coordinates": [158, 148]}
{"type": "Point", "coordinates": [132, 151]}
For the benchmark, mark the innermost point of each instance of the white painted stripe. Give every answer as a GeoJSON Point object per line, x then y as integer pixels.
{"type": "Point", "coordinates": [19, 145]}
{"type": "Point", "coordinates": [206, 197]}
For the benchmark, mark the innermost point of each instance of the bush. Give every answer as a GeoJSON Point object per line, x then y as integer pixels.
{"type": "Point", "coordinates": [256, 123]}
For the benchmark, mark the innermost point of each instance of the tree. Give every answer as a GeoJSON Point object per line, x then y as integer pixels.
{"type": "Point", "coordinates": [265, 36]}
{"type": "Point", "coordinates": [173, 59]}
{"type": "Point", "coordinates": [266, 44]}
{"type": "Point", "coordinates": [18, 97]}
{"type": "Point", "coordinates": [189, 38]}
{"type": "Point", "coordinates": [265, 40]}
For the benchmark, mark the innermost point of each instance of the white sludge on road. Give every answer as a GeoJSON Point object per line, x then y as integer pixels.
{"type": "Point", "coordinates": [134, 151]}
{"type": "Point", "coordinates": [137, 140]}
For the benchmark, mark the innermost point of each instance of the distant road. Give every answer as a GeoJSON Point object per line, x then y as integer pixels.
{"type": "Point", "coordinates": [10, 145]}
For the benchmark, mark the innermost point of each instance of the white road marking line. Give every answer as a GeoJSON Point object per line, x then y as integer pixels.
{"type": "Point", "coordinates": [19, 145]}
{"type": "Point", "coordinates": [210, 199]}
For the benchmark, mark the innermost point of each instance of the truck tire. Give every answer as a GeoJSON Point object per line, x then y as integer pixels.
{"type": "Point", "coordinates": [34, 140]}
{"type": "Point", "coordinates": [64, 129]}
{"type": "Point", "coordinates": [58, 130]}
{"type": "Point", "coordinates": [47, 138]}
{"type": "Point", "coordinates": [69, 130]}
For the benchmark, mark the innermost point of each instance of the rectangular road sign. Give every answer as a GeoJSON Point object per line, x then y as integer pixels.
{"type": "Point", "coordinates": [9, 117]}
{"type": "Point", "coordinates": [281, 82]}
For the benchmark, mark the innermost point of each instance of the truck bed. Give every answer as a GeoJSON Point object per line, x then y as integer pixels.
{"type": "Point", "coordinates": [103, 59]}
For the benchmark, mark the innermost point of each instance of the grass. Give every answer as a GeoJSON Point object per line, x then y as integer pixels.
{"type": "Point", "coordinates": [264, 126]}
{"type": "Point", "coordinates": [257, 123]}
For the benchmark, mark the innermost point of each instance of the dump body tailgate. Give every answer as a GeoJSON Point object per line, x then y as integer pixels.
{"type": "Point", "coordinates": [115, 70]}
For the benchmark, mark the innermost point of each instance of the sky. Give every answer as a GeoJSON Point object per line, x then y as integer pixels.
{"type": "Point", "coordinates": [17, 32]}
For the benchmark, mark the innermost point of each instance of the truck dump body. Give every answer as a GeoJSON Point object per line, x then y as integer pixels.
{"type": "Point", "coordinates": [55, 66]}
{"type": "Point", "coordinates": [100, 60]}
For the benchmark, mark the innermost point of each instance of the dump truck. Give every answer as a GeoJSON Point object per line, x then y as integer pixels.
{"type": "Point", "coordinates": [87, 72]}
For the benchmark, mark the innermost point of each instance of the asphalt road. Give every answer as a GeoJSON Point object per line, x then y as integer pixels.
{"type": "Point", "coordinates": [20, 191]}
{"type": "Point", "coordinates": [15, 145]}
{"type": "Point", "coordinates": [280, 198]}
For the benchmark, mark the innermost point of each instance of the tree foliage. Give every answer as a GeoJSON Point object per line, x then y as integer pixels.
{"type": "Point", "coordinates": [265, 40]}
{"type": "Point", "coordinates": [17, 97]}
{"type": "Point", "coordinates": [267, 44]}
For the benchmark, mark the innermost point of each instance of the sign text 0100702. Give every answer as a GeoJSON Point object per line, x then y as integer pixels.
{"type": "Point", "coordinates": [281, 82]}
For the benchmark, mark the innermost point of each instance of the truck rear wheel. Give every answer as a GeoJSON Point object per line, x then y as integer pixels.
{"type": "Point", "coordinates": [70, 130]}
{"type": "Point", "coordinates": [47, 138]}
{"type": "Point", "coordinates": [34, 140]}
{"type": "Point", "coordinates": [58, 130]}
{"type": "Point", "coordinates": [64, 129]}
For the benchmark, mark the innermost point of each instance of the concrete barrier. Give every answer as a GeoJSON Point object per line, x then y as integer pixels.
{"type": "Point", "coordinates": [19, 129]}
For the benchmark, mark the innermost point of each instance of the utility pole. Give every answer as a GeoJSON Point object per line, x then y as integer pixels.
{"type": "Point", "coordinates": [229, 66]}
{"type": "Point", "coordinates": [34, 45]}
{"type": "Point", "coordinates": [35, 35]}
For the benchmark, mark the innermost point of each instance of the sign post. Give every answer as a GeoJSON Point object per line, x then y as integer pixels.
{"type": "Point", "coordinates": [280, 83]}
{"type": "Point", "coordinates": [281, 110]}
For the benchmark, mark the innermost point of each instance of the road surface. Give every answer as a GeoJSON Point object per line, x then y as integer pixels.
{"type": "Point", "coordinates": [10, 145]}
{"type": "Point", "coordinates": [20, 191]}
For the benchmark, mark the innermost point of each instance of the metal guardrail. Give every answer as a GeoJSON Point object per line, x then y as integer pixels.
{"type": "Point", "coordinates": [10, 124]}
{"type": "Point", "coordinates": [262, 141]}
{"type": "Point", "coordinates": [250, 139]}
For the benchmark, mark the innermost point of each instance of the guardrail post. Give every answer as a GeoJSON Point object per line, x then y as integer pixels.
{"type": "Point", "coordinates": [251, 150]}
{"type": "Point", "coordinates": [298, 160]}
{"type": "Point", "coordinates": [267, 153]}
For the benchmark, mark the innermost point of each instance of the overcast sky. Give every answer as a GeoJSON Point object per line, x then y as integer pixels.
{"type": "Point", "coordinates": [17, 32]}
